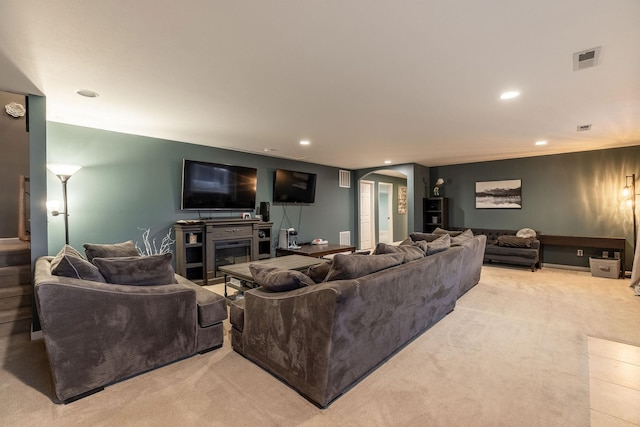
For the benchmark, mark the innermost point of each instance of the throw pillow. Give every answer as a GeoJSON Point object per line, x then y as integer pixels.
{"type": "Point", "coordinates": [441, 244]}
{"type": "Point", "coordinates": [138, 270]}
{"type": "Point", "coordinates": [278, 279]}
{"type": "Point", "coordinates": [319, 272]}
{"type": "Point", "coordinates": [462, 237]}
{"type": "Point", "coordinates": [70, 263]}
{"type": "Point", "coordinates": [514, 241]}
{"type": "Point", "coordinates": [410, 252]}
{"type": "Point", "coordinates": [351, 267]}
{"type": "Point", "coordinates": [526, 233]}
{"type": "Point", "coordinates": [451, 233]}
{"type": "Point", "coordinates": [427, 237]}
{"type": "Point", "coordinates": [124, 249]}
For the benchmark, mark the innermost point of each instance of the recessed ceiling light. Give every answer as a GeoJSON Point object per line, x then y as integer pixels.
{"type": "Point", "coordinates": [510, 95]}
{"type": "Point", "coordinates": [387, 162]}
{"type": "Point", "coordinates": [305, 142]}
{"type": "Point", "coordinates": [87, 93]}
{"type": "Point", "coordinates": [541, 142]}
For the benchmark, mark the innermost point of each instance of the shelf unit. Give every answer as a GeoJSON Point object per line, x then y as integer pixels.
{"type": "Point", "coordinates": [263, 241]}
{"type": "Point", "coordinates": [435, 213]}
{"type": "Point", "coordinates": [191, 252]}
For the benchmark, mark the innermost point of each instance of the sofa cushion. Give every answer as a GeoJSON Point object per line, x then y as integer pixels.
{"type": "Point", "coordinates": [410, 252]}
{"type": "Point", "coordinates": [440, 244]}
{"type": "Point", "coordinates": [462, 237]}
{"type": "Point", "coordinates": [124, 249]}
{"type": "Point", "coordinates": [514, 241]}
{"type": "Point", "coordinates": [137, 270]}
{"type": "Point", "coordinates": [351, 267]}
{"type": "Point", "coordinates": [319, 272]}
{"type": "Point", "coordinates": [70, 263]}
{"type": "Point", "coordinates": [526, 233]}
{"type": "Point", "coordinates": [278, 279]}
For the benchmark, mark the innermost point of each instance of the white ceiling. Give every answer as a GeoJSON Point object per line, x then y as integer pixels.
{"type": "Point", "coordinates": [364, 80]}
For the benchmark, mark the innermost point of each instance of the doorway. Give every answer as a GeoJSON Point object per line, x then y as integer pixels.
{"type": "Point", "coordinates": [385, 212]}
{"type": "Point", "coordinates": [367, 215]}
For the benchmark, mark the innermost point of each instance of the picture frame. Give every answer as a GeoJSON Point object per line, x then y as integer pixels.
{"type": "Point", "coordinates": [246, 215]}
{"type": "Point", "coordinates": [402, 200]}
{"type": "Point", "coordinates": [504, 194]}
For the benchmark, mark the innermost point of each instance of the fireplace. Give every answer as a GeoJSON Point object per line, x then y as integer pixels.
{"type": "Point", "coordinates": [227, 252]}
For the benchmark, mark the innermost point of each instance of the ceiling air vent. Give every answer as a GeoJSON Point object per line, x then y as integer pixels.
{"type": "Point", "coordinates": [582, 128]}
{"type": "Point", "coordinates": [345, 179]}
{"type": "Point", "coordinates": [586, 59]}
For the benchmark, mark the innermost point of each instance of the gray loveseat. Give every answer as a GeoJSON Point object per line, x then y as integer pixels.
{"type": "Point", "coordinates": [504, 247]}
{"type": "Point", "coordinates": [98, 333]}
{"type": "Point", "coordinates": [324, 338]}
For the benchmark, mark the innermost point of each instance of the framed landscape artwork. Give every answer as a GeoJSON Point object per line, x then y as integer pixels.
{"type": "Point", "coordinates": [505, 194]}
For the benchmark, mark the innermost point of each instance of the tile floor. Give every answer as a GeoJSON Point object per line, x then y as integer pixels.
{"type": "Point", "coordinates": [614, 378]}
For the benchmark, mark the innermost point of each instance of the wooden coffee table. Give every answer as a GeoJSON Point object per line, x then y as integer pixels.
{"type": "Point", "coordinates": [317, 251]}
{"type": "Point", "coordinates": [238, 276]}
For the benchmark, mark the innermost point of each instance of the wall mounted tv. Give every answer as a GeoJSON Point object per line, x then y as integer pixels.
{"type": "Point", "coordinates": [294, 187]}
{"type": "Point", "coordinates": [212, 186]}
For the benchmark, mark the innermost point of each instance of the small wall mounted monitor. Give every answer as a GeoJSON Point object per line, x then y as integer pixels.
{"type": "Point", "coordinates": [294, 187]}
{"type": "Point", "coordinates": [213, 186]}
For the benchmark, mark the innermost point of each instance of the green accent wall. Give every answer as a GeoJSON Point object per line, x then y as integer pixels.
{"type": "Point", "coordinates": [567, 194]}
{"type": "Point", "coordinates": [129, 182]}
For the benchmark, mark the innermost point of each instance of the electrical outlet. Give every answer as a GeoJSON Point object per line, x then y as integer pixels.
{"type": "Point", "coordinates": [580, 252]}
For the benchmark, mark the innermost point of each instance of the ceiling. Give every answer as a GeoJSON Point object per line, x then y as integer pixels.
{"type": "Point", "coordinates": [363, 80]}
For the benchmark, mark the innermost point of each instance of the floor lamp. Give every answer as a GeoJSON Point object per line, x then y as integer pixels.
{"type": "Point", "coordinates": [629, 192]}
{"type": "Point", "coordinates": [64, 172]}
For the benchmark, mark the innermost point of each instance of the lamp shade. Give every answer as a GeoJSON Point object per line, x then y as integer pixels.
{"type": "Point", "coordinates": [62, 169]}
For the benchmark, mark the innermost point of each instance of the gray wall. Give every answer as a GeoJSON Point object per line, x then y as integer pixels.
{"type": "Point", "coordinates": [129, 182]}
{"type": "Point", "coordinates": [567, 194]}
{"type": "Point", "coordinates": [14, 161]}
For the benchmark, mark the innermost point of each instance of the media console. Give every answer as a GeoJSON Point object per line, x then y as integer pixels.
{"type": "Point", "coordinates": [202, 247]}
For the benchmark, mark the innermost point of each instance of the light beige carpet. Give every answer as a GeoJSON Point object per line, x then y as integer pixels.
{"type": "Point", "coordinates": [513, 353]}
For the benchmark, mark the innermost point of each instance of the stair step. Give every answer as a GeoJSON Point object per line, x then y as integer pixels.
{"type": "Point", "coordinates": [15, 328]}
{"type": "Point", "coordinates": [15, 275]}
{"type": "Point", "coordinates": [15, 296]}
{"type": "Point", "coordinates": [14, 314]}
{"type": "Point", "coordinates": [14, 252]}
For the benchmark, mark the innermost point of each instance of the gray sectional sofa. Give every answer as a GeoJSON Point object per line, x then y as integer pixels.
{"type": "Point", "coordinates": [323, 338]}
{"type": "Point", "coordinates": [97, 333]}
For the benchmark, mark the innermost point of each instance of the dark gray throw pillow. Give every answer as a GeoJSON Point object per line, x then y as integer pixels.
{"type": "Point", "coordinates": [410, 252]}
{"type": "Point", "coordinates": [427, 237]}
{"type": "Point", "coordinates": [351, 267]}
{"type": "Point", "coordinates": [70, 263]}
{"type": "Point", "coordinates": [93, 250]}
{"type": "Point", "coordinates": [278, 279]}
{"type": "Point", "coordinates": [462, 237]}
{"type": "Point", "coordinates": [441, 244]}
{"type": "Point", "coordinates": [138, 270]}
{"type": "Point", "coordinates": [451, 233]}
{"type": "Point", "coordinates": [319, 272]}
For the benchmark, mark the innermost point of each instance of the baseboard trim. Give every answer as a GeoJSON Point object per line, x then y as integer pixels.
{"type": "Point", "coordinates": [566, 267]}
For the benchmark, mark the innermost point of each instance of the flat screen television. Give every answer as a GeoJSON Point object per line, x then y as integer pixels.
{"type": "Point", "coordinates": [294, 187]}
{"type": "Point", "coordinates": [213, 186]}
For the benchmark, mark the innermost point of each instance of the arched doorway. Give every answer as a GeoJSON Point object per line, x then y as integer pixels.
{"type": "Point", "coordinates": [382, 215]}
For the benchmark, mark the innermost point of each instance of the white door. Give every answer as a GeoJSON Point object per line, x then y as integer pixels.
{"type": "Point", "coordinates": [366, 215]}
{"type": "Point", "coordinates": [385, 212]}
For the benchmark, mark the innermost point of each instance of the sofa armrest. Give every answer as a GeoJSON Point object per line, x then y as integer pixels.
{"type": "Point", "coordinates": [212, 308]}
